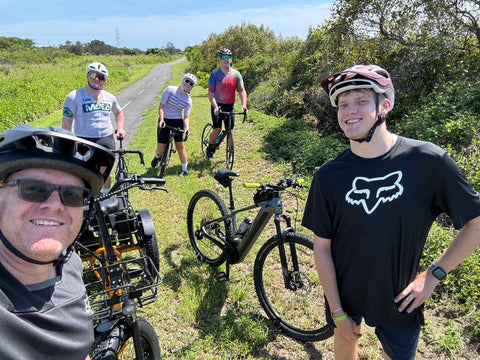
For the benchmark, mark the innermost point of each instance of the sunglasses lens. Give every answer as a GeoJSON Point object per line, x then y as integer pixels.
{"type": "Point", "coordinates": [96, 76]}
{"type": "Point", "coordinates": [189, 82]}
{"type": "Point", "coordinates": [34, 191]}
{"type": "Point", "coordinates": [39, 191]}
{"type": "Point", "coordinates": [225, 57]}
{"type": "Point", "coordinates": [74, 196]}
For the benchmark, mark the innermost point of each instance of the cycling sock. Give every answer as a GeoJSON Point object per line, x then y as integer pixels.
{"type": "Point", "coordinates": [184, 167]}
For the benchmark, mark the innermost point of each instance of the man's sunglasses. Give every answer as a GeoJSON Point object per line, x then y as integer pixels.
{"type": "Point", "coordinates": [38, 191]}
{"type": "Point", "coordinates": [189, 82]}
{"type": "Point", "coordinates": [225, 57]}
{"type": "Point", "coordinates": [97, 76]}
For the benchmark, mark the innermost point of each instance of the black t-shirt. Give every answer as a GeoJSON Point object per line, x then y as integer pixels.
{"type": "Point", "coordinates": [377, 213]}
{"type": "Point", "coordinates": [46, 321]}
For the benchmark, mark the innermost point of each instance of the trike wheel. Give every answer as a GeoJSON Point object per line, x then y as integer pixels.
{"type": "Point", "coordinates": [298, 309]}
{"type": "Point", "coordinates": [207, 130]}
{"type": "Point", "coordinates": [148, 237]}
{"type": "Point", "coordinates": [209, 227]}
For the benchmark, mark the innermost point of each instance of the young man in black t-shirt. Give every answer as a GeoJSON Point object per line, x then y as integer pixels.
{"type": "Point", "coordinates": [371, 209]}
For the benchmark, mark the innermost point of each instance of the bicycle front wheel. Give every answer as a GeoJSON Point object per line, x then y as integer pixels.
{"type": "Point", "coordinates": [230, 151]}
{"type": "Point", "coordinates": [207, 130]}
{"type": "Point", "coordinates": [165, 159]}
{"type": "Point", "coordinates": [117, 344]}
{"type": "Point", "coordinates": [209, 226]}
{"type": "Point", "coordinates": [297, 308]}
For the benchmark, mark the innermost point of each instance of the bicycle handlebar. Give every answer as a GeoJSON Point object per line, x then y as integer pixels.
{"type": "Point", "coordinates": [174, 128]}
{"type": "Point", "coordinates": [134, 181]}
{"type": "Point", "coordinates": [121, 151]}
{"type": "Point", "coordinates": [233, 113]}
{"type": "Point", "coordinates": [177, 129]}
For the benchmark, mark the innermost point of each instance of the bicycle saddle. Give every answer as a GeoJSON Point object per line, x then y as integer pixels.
{"type": "Point", "coordinates": [224, 176]}
{"type": "Point", "coordinates": [112, 205]}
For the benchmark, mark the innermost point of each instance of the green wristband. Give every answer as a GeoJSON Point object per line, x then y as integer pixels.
{"type": "Point", "coordinates": [340, 318]}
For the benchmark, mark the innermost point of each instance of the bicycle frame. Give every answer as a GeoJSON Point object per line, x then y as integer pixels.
{"type": "Point", "coordinates": [228, 119]}
{"type": "Point", "coordinates": [165, 158]}
{"type": "Point", "coordinates": [241, 248]}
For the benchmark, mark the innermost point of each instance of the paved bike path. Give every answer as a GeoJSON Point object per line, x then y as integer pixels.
{"type": "Point", "coordinates": [141, 96]}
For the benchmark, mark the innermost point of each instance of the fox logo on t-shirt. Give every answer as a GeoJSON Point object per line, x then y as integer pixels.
{"type": "Point", "coordinates": [370, 193]}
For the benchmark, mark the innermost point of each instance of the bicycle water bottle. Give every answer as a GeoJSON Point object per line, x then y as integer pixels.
{"type": "Point", "coordinates": [219, 138]}
{"type": "Point", "coordinates": [244, 226]}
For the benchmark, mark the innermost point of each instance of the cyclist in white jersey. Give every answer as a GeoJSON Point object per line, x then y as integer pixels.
{"type": "Point", "coordinates": [87, 110]}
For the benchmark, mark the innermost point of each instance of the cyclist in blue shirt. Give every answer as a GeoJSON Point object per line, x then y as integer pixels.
{"type": "Point", "coordinates": [223, 83]}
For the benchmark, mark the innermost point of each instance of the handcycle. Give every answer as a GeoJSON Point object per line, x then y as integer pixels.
{"type": "Point", "coordinates": [285, 278]}
{"type": "Point", "coordinates": [120, 252]}
{"type": "Point", "coordinates": [167, 154]}
{"type": "Point", "coordinates": [229, 117]}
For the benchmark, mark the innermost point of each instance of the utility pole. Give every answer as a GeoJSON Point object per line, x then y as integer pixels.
{"type": "Point", "coordinates": [117, 37]}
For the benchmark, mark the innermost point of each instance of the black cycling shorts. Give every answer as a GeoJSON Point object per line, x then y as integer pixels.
{"type": "Point", "coordinates": [106, 141]}
{"type": "Point", "coordinates": [163, 133]}
{"type": "Point", "coordinates": [217, 120]}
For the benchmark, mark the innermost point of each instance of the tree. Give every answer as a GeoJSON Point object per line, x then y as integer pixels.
{"type": "Point", "coordinates": [76, 48]}
{"type": "Point", "coordinates": [14, 43]}
{"type": "Point", "coordinates": [171, 49]}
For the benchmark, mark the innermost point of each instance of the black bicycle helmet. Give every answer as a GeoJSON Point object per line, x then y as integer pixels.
{"type": "Point", "coordinates": [224, 52]}
{"type": "Point", "coordinates": [25, 146]}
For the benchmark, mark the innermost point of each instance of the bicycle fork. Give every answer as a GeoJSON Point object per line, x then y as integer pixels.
{"type": "Point", "coordinates": [289, 276]}
{"type": "Point", "coordinates": [130, 310]}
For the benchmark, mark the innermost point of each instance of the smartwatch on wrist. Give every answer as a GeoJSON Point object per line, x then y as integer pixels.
{"type": "Point", "coordinates": [438, 272]}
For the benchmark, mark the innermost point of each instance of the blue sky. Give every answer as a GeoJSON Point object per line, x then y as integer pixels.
{"type": "Point", "coordinates": [146, 24]}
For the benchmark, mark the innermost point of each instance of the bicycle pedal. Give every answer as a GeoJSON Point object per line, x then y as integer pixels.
{"type": "Point", "coordinates": [221, 276]}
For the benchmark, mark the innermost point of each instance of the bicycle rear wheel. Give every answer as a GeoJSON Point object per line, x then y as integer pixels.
{"type": "Point", "coordinates": [165, 158]}
{"type": "Point", "coordinates": [298, 311]}
{"type": "Point", "coordinates": [207, 130]}
{"type": "Point", "coordinates": [117, 344]}
{"type": "Point", "coordinates": [230, 150]}
{"type": "Point", "coordinates": [209, 228]}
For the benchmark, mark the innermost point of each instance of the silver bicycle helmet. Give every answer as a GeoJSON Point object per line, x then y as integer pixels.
{"type": "Point", "coordinates": [98, 68]}
{"type": "Point", "coordinates": [25, 146]}
{"type": "Point", "coordinates": [190, 77]}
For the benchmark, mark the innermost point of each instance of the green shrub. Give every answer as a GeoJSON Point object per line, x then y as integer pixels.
{"type": "Point", "coordinates": [463, 283]}
{"type": "Point", "coordinates": [294, 142]}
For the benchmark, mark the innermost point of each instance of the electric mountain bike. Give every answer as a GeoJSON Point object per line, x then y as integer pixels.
{"type": "Point", "coordinates": [121, 261]}
{"type": "Point", "coordinates": [285, 277]}
{"type": "Point", "coordinates": [227, 133]}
